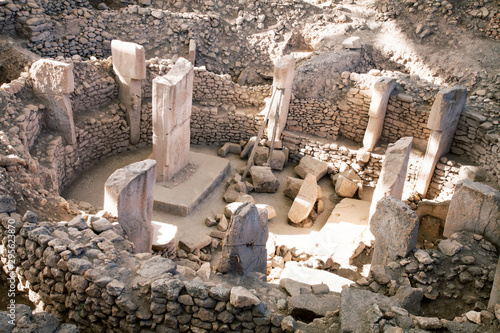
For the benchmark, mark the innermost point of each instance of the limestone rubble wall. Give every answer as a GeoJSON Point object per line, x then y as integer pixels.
{"type": "Point", "coordinates": [95, 281]}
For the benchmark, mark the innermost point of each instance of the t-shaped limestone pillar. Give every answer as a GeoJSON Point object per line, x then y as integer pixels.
{"type": "Point", "coordinates": [172, 100]}
{"type": "Point", "coordinates": [381, 90]}
{"type": "Point", "coordinates": [128, 194]}
{"type": "Point", "coordinates": [443, 121]}
{"type": "Point", "coordinates": [129, 65]}
{"type": "Point", "coordinates": [53, 81]}
{"type": "Point", "coordinates": [283, 79]}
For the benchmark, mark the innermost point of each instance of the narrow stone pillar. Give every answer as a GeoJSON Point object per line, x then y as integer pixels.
{"type": "Point", "coordinates": [129, 65]}
{"type": "Point", "coordinates": [172, 100]}
{"type": "Point", "coordinates": [443, 121]}
{"type": "Point", "coordinates": [381, 91]}
{"type": "Point", "coordinates": [53, 81]}
{"type": "Point", "coordinates": [284, 71]}
{"type": "Point", "coordinates": [244, 248]}
{"type": "Point", "coordinates": [128, 194]}
{"type": "Point", "coordinates": [395, 228]}
{"type": "Point", "coordinates": [495, 291]}
{"type": "Point", "coordinates": [192, 51]}
{"type": "Point", "coordinates": [474, 207]}
{"type": "Point", "coordinates": [393, 174]}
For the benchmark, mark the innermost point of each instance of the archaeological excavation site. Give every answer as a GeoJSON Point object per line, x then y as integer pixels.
{"type": "Point", "coordinates": [250, 166]}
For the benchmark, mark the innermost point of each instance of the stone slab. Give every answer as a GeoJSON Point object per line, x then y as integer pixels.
{"type": "Point", "coordinates": [52, 77]}
{"type": "Point", "coordinates": [129, 59]}
{"type": "Point", "coordinates": [304, 201]}
{"type": "Point", "coordinates": [311, 276]}
{"type": "Point", "coordinates": [447, 108]}
{"type": "Point", "coordinates": [164, 235]}
{"type": "Point", "coordinates": [183, 198]}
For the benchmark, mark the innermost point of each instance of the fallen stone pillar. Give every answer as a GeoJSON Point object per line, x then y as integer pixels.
{"type": "Point", "coordinates": [244, 248]}
{"type": "Point", "coordinates": [381, 91]}
{"type": "Point", "coordinates": [393, 174]}
{"type": "Point", "coordinates": [128, 194]}
{"type": "Point", "coordinates": [395, 228]}
{"type": "Point", "coordinates": [495, 291]}
{"type": "Point", "coordinates": [172, 100]}
{"type": "Point", "coordinates": [53, 81]}
{"type": "Point", "coordinates": [283, 78]}
{"type": "Point", "coordinates": [474, 207]}
{"type": "Point", "coordinates": [304, 202]}
{"type": "Point", "coordinates": [443, 121]}
{"type": "Point", "coordinates": [129, 65]}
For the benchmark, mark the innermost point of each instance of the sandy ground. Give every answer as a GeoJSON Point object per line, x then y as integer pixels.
{"type": "Point", "coordinates": [89, 187]}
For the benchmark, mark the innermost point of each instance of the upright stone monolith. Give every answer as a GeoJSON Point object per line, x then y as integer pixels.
{"type": "Point", "coordinates": [129, 65]}
{"type": "Point", "coordinates": [393, 174]}
{"type": "Point", "coordinates": [495, 291]}
{"type": "Point", "coordinates": [474, 207]}
{"type": "Point", "coordinates": [395, 228]}
{"type": "Point", "coordinates": [53, 81]}
{"type": "Point", "coordinates": [283, 79]}
{"type": "Point", "coordinates": [443, 122]}
{"type": "Point", "coordinates": [172, 100]}
{"type": "Point", "coordinates": [244, 248]}
{"type": "Point", "coordinates": [381, 91]}
{"type": "Point", "coordinates": [129, 195]}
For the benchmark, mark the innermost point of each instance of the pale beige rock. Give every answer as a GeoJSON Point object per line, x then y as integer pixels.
{"type": "Point", "coordinates": [172, 101]}
{"type": "Point", "coordinates": [393, 175]}
{"type": "Point", "coordinates": [474, 207]}
{"type": "Point", "coordinates": [311, 165]}
{"type": "Point", "coordinates": [284, 71]}
{"type": "Point", "coordinates": [494, 302]}
{"type": "Point", "coordinates": [352, 43]}
{"type": "Point", "coordinates": [192, 51]}
{"type": "Point", "coordinates": [381, 91]}
{"type": "Point", "coordinates": [53, 81]}
{"type": "Point", "coordinates": [345, 187]}
{"type": "Point", "coordinates": [128, 194]}
{"type": "Point", "coordinates": [305, 200]}
{"type": "Point", "coordinates": [129, 65]}
{"type": "Point", "coordinates": [443, 121]}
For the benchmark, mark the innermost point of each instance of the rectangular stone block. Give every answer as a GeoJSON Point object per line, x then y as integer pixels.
{"type": "Point", "coordinates": [52, 77]}
{"type": "Point", "coordinates": [475, 207]}
{"type": "Point", "coordinates": [129, 59]}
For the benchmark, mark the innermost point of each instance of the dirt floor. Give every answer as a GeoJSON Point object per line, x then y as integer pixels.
{"type": "Point", "coordinates": [89, 187]}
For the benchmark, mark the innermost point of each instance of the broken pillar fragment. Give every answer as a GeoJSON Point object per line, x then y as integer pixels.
{"type": "Point", "coordinates": [128, 194]}
{"type": "Point", "coordinates": [129, 65]}
{"type": "Point", "coordinates": [172, 100]}
{"type": "Point", "coordinates": [53, 81]}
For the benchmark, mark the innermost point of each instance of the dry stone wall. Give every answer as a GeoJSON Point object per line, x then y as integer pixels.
{"type": "Point", "coordinates": [91, 277]}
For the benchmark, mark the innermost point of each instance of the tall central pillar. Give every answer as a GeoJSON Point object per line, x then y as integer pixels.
{"type": "Point", "coordinates": [172, 101]}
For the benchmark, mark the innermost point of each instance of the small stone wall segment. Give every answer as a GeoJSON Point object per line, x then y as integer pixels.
{"type": "Point", "coordinates": [129, 65]}
{"type": "Point", "coordinates": [443, 121]}
{"type": "Point", "coordinates": [128, 194]}
{"type": "Point", "coordinates": [88, 276]}
{"type": "Point", "coordinates": [53, 81]}
{"type": "Point", "coordinates": [172, 101]}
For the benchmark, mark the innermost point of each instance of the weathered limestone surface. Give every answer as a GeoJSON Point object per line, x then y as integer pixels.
{"type": "Point", "coordinates": [172, 101]}
{"type": "Point", "coordinates": [263, 179]}
{"type": "Point", "coordinates": [283, 78]}
{"type": "Point", "coordinates": [495, 291]}
{"type": "Point", "coordinates": [345, 187]}
{"type": "Point", "coordinates": [395, 227]}
{"type": "Point", "coordinates": [381, 90]}
{"type": "Point", "coordinates": [305, 200]}
{"type": "Point", "coordinates": [443, 121]}
{"type": "Point", "coordinates": [311, 165]}
{"type": "Point", "coordinates": [244, 250]}
{"type": "Point", "coordinates": [129, 65]}
{"type": "Point", "coordinates": [192, 51]}
{"type": "Point", "coordinates": [475, 207]}
{"type": "Point", "coordinates": [394, 169]}
{"type": "Point", "coordinates": [129, 195]}
{"type": "Point", "coordinates": [53, 81]}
